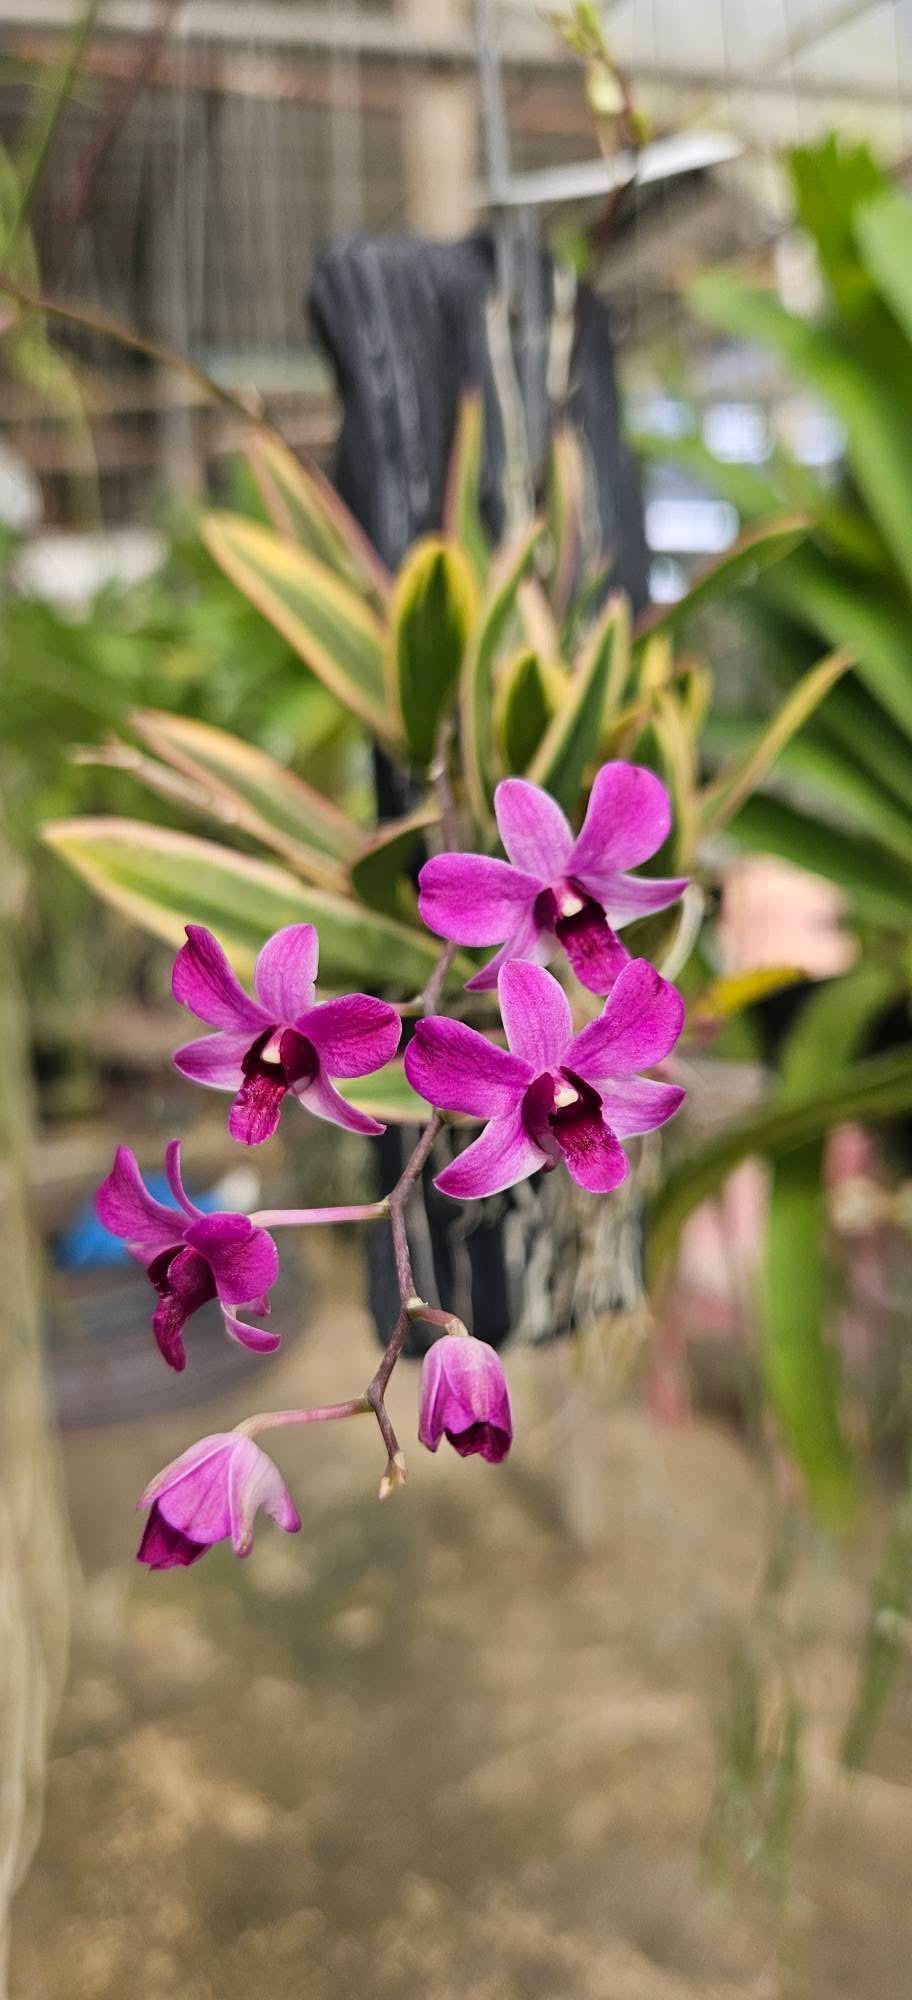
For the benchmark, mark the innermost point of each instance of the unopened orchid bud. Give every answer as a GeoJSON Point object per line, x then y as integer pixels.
{"type": "Point", "coordinates": [464, 1398]}
{"type": "Point", "coordinates": [210, 1494]}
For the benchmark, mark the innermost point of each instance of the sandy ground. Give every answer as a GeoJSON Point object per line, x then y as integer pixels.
{"type": "Point", "coordinates": [441, 1747]}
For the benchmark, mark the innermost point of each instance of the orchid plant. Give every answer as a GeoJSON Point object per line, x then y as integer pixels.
{"type": "Point", "coordinates": [551, 1095]}
{"type": "Point", "coordinates": [522, 719]}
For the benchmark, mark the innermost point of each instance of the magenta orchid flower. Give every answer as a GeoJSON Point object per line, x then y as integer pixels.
{"type": "Point", "coordinates": [555, 890]}
{"type": "Point", "coordinates": [551, 1095]}
{"type": "Point", "coordinates": [281, 1041]}
{"type": "Point", "coordinates": [464, 1397]}
{"type": "Point", "coordinates": [190, 1257]}
{"type": "Point", "coordinates": [212, 1492]}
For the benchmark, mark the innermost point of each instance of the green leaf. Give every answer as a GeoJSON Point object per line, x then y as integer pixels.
{"type": "Point", "coordinates": [387, 1095]}
{"type": "Point", "coordinates": [478, 691]}
{"type": "Point", "coordinates": [432, 610]}
{"type": "Point", "coordinates": [377, 871]}
{"type": "Point", "coordinates": [883, 231]}
{"type": "Point", "coordinates": [254, 792]}
{"type": "Point", "coordinates": [728, 792]}
{"type": "Point", "coordinates": [163, 880]}
{"type": "Point", "coordinates": [878, 886]}
{"type": "Point", "coordinates": [564, 516]}
{"type": "Point", "coordinates": [832, 180]}
{"type": "Point", "coordinates": [462, 520]}
{"type": "Point", "coordinates": [572, 739]}
{"type": "Point", "coordinates": [340, 639]}
{"type": "Point", "coordinates": [865, 394]}
{"type": "Point", "coordinates": [870, 618]}
{"type": "Point", "coordinates": [527, 704]}
{"type": "Point", "coordinates": [305, 508]}
{"type": "Point", "coordinates": [847, 794]}
{"type": "Point", "coordinates": [753, 552]}
{"type": "Point", "coordinates": [800, 1368]}
{"type": "Point", "coordinates": [878, 1088]}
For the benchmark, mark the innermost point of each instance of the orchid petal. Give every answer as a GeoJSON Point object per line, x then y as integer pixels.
{"type": "Point", "coordinates": [531, 942]}
{"type": "Point", "coordinates": [473, 898]}
{"type": "Point", "coordinates": [457, 1069]}
{"type": "Point", "coordinates": [175, 1183]}
{"type": "Point", "coordinates": [535, 832]}
{"type": "Point", "coordinates": [641, 1020]}
{"type": "Point", "coordinates": [215, 1060]}
{"type": "Point", "coordinates": [594, 1156]}
{"type": "Point", "coordinates": [627, 897]}
{"type": "Point", "coordinates": [639, 1105]}
{"type": "Point", "coordinates": [193, 1497]}
{"type": "Point", "coordinates": [202, 980]}
{"type": "Point", "coordinates": [243, 1259]}
{"type": "Point", "coordinates": [182, 1468]}
{"type": "Point", "coordinates": [258, 1339]}
{"type": "Point", "coordinates": [627, 819]}
{"type": "Point", "coordinates": [319, 1097]}
{"type": "Point", "coordinates": [254, 1482]}
{"type": "Point", "coordinates": [595, 953]}
{"type": "Point", "coordinates": [353, 1035]}
{"type": "Point", "coordinates": [536, 1015]}
{"type": "Point", "coordinates": [125, 1206]}
{"type": "Point", "coordinates": [164, 1547]}
{"type": "Point", "coordinates": [285, 971]}
{"type": "Point", "coordinates": [504, 1154]}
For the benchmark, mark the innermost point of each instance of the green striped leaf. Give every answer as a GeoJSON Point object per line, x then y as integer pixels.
{"type": "Point", "coordinates": [255, 792]}
{"type": "Point", "coordinates": [573, 737]}
{"type": "Point", "coordinates": [163, 880]}
{"type": "Point", "coordinates": [432, 611]}
{"type": "Point", "coordinates": [334, 632]}
{"type": "Point", "coordinates": [305, 508]}
{"type": "Point", "coordinates": [478, 687]}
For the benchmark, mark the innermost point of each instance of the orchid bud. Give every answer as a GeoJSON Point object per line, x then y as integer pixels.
{"type": "Point", "coordinates": [212, 1492]}
{"type": "Point", "coordinates": [464, 1397]}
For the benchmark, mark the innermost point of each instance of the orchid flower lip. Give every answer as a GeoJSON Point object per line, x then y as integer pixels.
{"type": "Point", "coordinates": [553, 890]}
{"type": "Point", "coordinates": [190, 1258]}
{"type": "Point", "coordinates": [552, 1095]}
{"type": "Point", "coordinates": [284, 1042]}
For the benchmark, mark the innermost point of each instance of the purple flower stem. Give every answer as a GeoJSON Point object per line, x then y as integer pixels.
{"type": "Point", "coordinates": [412, 1307]}
{"type": "Point", "coordinates": [269, 1420]}
{"type": "Point", "coordinates": [277, 1218]}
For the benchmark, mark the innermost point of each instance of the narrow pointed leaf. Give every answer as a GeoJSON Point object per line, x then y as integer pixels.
{"type": "Point", "coordinates": [530, 695]}
{"type": "Point", "coordinates": [728, 792]}
{"type": "Point", "coordinates": [163, 880]}
{"type": "Point", "coordinates": [305, 508]}
{"type": "Point", "coordinates": [753, 552]}
{"type": "Point", "coordinates": [378, 869]}
{"type": "Point", "coordinates": [256, 792]}
{"type": "Point", "coordinates": [335, 633]}
{"type": "Point", "coordinates": [478, 683]}
{"type": "Point", "coordinates": [462, 520]}
{"type": "Point", "coordinates": [431, 616]}
{"type": "Point", "coordinates": [878, 886]}
{"type": "Point", "coordinates": [564, 516]}
{"type": "Point", "coordinates": [573, 737]}
{"type": "Point", "coordinates": [878, 1088]}
{"type": "Point", "coordinates": [858, 387]}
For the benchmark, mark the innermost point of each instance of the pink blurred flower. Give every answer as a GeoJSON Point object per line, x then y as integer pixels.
{"type": "Point", "coordinates": [211, 1492]}
{"type": "Point", "coordinates": [190, 1257]}
{"type": "Point", "coordinates": [464, 1397]}
{"type": "Point", "coordinates": [281, 1041]}
{"type": "Point", "coordinates": [555, 890]}
{"type": "Point", "coordinates": [551, 1095]}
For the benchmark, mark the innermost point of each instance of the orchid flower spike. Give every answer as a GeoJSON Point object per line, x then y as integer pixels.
{"type": "Point", "coordinates": [464, 1398]}
{"type": "Point", "coordinates": [212, 1492]}
{"type": "Point", "coordinates": [281, 1041]}
{"type": "Point", "coordinates": [555, 890]}
{"type": "Point", "coordinates": [551, 1095]}
{"type": "Point", "coordinates": [190, 1257]}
